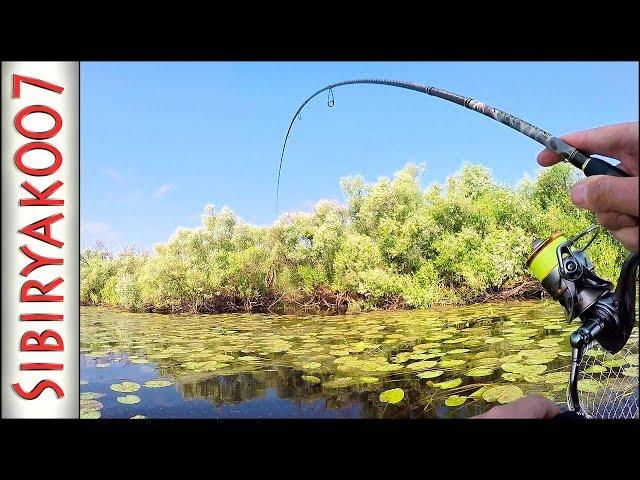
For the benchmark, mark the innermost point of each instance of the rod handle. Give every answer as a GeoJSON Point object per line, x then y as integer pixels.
{"type": "Point", "coordinates": [597, 166]}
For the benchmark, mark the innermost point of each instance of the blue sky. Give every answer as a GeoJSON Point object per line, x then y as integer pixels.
{"type": "Point", "coordinates": [159, 141]}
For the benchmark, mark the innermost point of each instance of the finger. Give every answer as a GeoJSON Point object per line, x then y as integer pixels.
{"type": "Point", "coordinates": [628, 237]}
{"type": "Point", "coordinates": [618, 141]}
{"type": "Point", "coordinates": [616, 220]}
{"type": "Point", "coordinates": [546, 158]}
{"type": "Point", "coordinates": [602, 193]}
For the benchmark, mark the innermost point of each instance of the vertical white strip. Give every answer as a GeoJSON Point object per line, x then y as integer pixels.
{"type": "Point", "coordinates": [15, 217]}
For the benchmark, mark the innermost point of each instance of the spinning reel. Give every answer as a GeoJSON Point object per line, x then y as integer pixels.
{"type": "Point", "coordinates": [607, 313]}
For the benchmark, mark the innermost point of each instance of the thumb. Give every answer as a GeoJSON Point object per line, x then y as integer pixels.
{"type": "Point", "coordinates": [602, 193]}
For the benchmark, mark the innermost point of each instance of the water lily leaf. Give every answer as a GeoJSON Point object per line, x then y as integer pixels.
{"type": "Point", "coordinates": [157, 383]}
{"type": "Point", "coordinates": [86, 405]}
{"type": "Point", "coordinates": [632, 359]}
{"type": "Point", "coordinates": [588, 385]}
{"type": "Point", "coordinates": [494, 340]}
{"type": "Point", "coordinates": [125, 387]}
{"type": "Point", "coordinates": [478, 393]}
{"type": "Point", "coordinates": [502, 393]}
{"type": "Point", "coordinates": [532, 378]}
{"type": "Point", "coordinates": [310, 379]}
{"type": "Point", "coordinates": [451, 363]}
{"type": "Point", "coordinates": [129, 399]}
{"type": "Point", "coordinates": [430, 374]}
{"type": "Point", "coordinates": [510, 377]}
{"type": "Point", "coordinates": [339, 353]}
{"type": "Point", "coordinates": [341, 382]}
{"type": "Point", "coordinates": [479, 372]}
{"type": "Point", "coordinates": [594, 352]}
{"type": "Point", "coordinates": [455, 401]}
{"type": "Point", "coordinates": [596, 369]}
{"type": "Point", "coordinates": [423, 365]}
{"type": "Point", "coordinates": [90, 414]}
{"type": "Point", "coordinates": [614, 362]}
{"type": "Point", "coordinates": [550, 342]}
{"type": "Point", "coordinates": [449, 384]}
{"type": "Point", "coordinates": [556, 377]}
{"type": "Point", "coordinates": [90, 395]}
{"type": "Point", "coordinates": [368, 380]}
{"type": "Point", "coordinates": [311, 365]}
{"type": "Point", "coordinates": [394, 395]}
{"type": "Point", "coordinates": [630, 372]}
{"type": "Point", "coordinates": [458, 350]}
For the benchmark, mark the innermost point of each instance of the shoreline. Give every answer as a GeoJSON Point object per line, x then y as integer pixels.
{"type": "Point", "coordinates": [327, 302]}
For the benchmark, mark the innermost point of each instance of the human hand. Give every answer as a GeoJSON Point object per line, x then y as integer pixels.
{"type": "Point", "coordinates": [614, 200]}
{"type": "Point", "coordinates": [532, 407]}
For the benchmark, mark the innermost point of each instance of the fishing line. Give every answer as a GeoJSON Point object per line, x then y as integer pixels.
{"type": "Point", "coordinates": [589, 165]}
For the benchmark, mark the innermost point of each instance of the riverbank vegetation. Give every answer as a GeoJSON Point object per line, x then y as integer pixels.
{"type": "Point", "coordinates": [392, 244]}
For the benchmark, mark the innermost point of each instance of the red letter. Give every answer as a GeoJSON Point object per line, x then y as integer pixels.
{"type": "Point", "coordinates": [41, 197]}
{"type": "Point", "coordinates": [38, 172]}
{"type": "Point", "coordinates": [41, 366]}
{"type": "Point", "coordinates": [57, 119]}
{"type": "Point", "coordinates": [38, 261]}
{"type": "Point", "coordinates": [37, 390]}
{"type": "Point", "coordinates": [41, 317]}
{"type": "Point", "coordinates": [32, 81]}
{"type": "Point", "coordinates": [45, 224]}
{"type": "Point", "coordinates": [41, 342]}
{"type": "Point", "coordinates": [25, 296]}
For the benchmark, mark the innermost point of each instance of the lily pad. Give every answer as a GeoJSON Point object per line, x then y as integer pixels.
{"type": "Point", "coordinates": [455, 401]}
{"type": "Point", "coordinates": [341, 382]}
{"type": "Point", "coordinates": [157, 383]}
{"type": "Point", "coordinates": [125, 387]}
{"type": "Point", "coordinates": [311, 365]}
{"type": "Point", "coordinates": [451, 363]}
{"type": "Point", "coordinates": [310, 379]}
{"type": "Point", "coordinates": [630, 372]}
{"type": "Point", "coordinates": [368, 380]}
{"type": "Point", "coordinates": [86, 405]}
{"type": "Point", "coordinates": [596, 369]}
{"type": "Point", "coordinates": [430, 373]}
{"type": "Point", "coordinates": [510, 376]}
{"type": "Point", "coordinates": [632, 359]}
{"type": "Point", "coordinates": [90, 395]}
{"type": "Point", "coordinates": [423, 365]}
{"type": "Point", "coordinates": [392, 396]}
{"type": "Point", "coordinates": [556, 377]}
{"type": "Point", "coordinates": [449, 384]}
{"type": "Point", "coordinates": [479, 372]}
{"type": "Point", "coordinates": [90, 414]}
{"type": "Point", "coordinates": [129, 399]}
{"type": "Point", "coordinates": [502, 393]}
{"type": "Point", "coordinates": [614, 362]}
{"type": "Point", "coordinates": [588, 385]}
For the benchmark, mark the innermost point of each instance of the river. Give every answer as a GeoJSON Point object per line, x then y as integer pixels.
{"type": "Point", "coordinates": [442, 362]}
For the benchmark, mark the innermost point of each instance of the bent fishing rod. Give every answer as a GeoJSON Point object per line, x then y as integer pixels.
{"type": "Point", "coordinates": [588, 164]}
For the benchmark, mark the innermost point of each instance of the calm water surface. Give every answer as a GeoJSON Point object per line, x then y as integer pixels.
{"type": "Point", "coordinates": [260, 366]}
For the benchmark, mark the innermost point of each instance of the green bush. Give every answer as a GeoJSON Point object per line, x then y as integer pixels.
{"type": "Point", "coordinates": [391, 239]}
